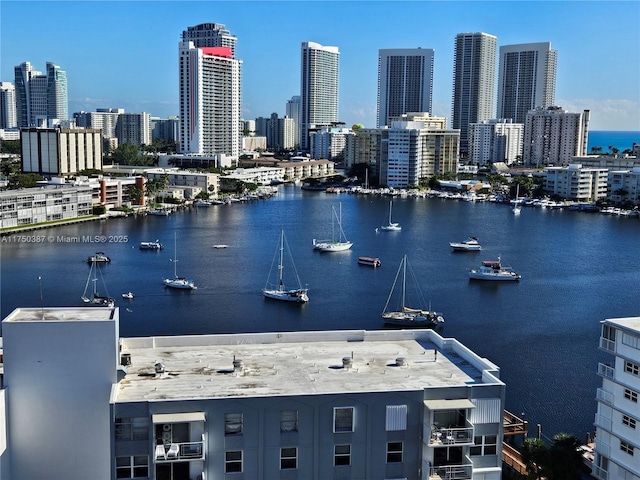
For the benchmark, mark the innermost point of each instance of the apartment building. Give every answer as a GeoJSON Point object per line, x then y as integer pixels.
{"type": "Point", "coordinates": [617, 419]}
{"type": "Point", "coordinates": [576, 182]}
{"type": "Point", "coordinates": [624, 186]}
{"type": "Point", "coordinates": [369, 405]}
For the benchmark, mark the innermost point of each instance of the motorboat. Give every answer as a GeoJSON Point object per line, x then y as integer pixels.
{"type": "Point", "coordinates": [90, 296]}
{"type": "Point", "coordinates": [151, 245]}
{"type": "Point", "coordinates": [220, 245]}
{"type": "Point", "coordinates": [202, 203]}
{"type": "Point", "coordinates": [494, 270]}
{"type": "Point", "coordinates": [403, 315]}
{"type": "Point", "coordinates": [391, 226]}
{"type": "Point", "coordinates": [469, 245]}
{"type": "Point", "coordinates": [339, 244]}
{"type": "Point", "coordinates": [99, 257]}
{"type": "Point", "coordinates": [279, 291]}
{"type": "Point", "coordinates": [370, 261]}
{"type": "Point", "coordinates": [127, 295]}
{"type": "Point", "coordinates": [178, 282]}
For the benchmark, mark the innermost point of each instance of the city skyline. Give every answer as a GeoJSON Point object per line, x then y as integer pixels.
{"type": "Point", "coordinates": [133, 63]}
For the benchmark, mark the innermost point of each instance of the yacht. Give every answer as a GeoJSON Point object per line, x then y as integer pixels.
{"type": "Point", "coordinates": [494, 270]}
{"type": "Point", "coordinates": [469, 245]}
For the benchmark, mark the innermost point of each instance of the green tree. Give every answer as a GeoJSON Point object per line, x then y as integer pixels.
{"type": "Point", "coordinates": [10, 146]}
{"type": "Point", "coordinates": [534, 456]}
{"type": "Point", "coordinates": [564, 460]}
{"type": "Point", "coordinates": [135, 193]}
{"type": "Point", "coordinates": [126, 154]}
{"type": "Point", "coordinates": [596, 150]}
{"type": "Point", "coordinates": [23, 180]}
{"type": "Point", "coordinates": [9, 166]}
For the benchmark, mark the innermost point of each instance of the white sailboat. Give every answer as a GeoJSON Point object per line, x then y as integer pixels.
{"type": "Point", "coordinates": [280, 291]}
{"type": "Point", "coordinates": [91, 297]}
{"type": "Point", "coordinates": [405, 316]}
{"type": "Point", "coordinates": [391, 226]}
{"type": "Point", "coordinates": [334, 245]}
{"type": "Point", "coordinates": [516, 206]}
{"type": "Point", "coordinates": [178, 282]}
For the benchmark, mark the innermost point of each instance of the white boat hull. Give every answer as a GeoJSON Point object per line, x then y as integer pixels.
{"type": "Point", "coordinates": [423, 319]}
{"type": "Point", "coordinates": [332, 246]}
{"type": "Point", "coordinates": [462, 247]}
{"type": "Point", "coordinates": [298, 296]}
{"type": "Point", "coordinates": [496, 277]}
{"type": "Point", "coordinates": [391, 228]}
{"type": "Point", "coordinates": [180, 283]}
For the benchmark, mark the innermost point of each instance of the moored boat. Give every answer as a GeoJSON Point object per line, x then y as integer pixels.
{"type": "Point", "coordinates": [391, 226]}
{"type": "Point", "coordinates": [339, 244]}
{"type": "Point", "coordinates": [370, 261]}
{"type": "Point", "coordinates": [279, 291]}
{"type": "Point", "coordinates": [151, 245]}
{"type": "Point", "coordinates": [99, 257]}
{"type": "Point", "coordinates": [493, 270]}
{"type": "Point", "coordinates": [128, 295]}
{"type": "Point", "coordinates": [469, 245]}
{"type": "Point", "coordinates": [177, 282]}
{"type": "Point", "coordinates": [91, 297]}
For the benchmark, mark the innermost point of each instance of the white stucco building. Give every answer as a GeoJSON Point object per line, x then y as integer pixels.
{"type": "Point", "coordinates": [308, 405]}
{"type": "Point", "coordinates": [576, 182]}
{"type": "Point", "coordinates": [496, 140]}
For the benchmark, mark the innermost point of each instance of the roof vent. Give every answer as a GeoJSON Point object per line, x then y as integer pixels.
{"type": "Point", "coordinates": [125, 359]}
{"type": "Point", "coordinates": [159, 368]}
{"type": "Point", "coordinates": [401, 361]}
{"type": "Point", "coordinates": [347, 362]}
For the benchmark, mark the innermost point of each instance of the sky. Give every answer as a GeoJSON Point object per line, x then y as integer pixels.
{"type": "Point", "coordinates": [124, 54]}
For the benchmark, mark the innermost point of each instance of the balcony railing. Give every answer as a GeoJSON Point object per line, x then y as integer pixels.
{"type": "Point", "coordinates": [451, 435]}
{"type": "Point", "coordinates": [606, 371]}
{"type": "Point", "coordinates": [604, 396]}
{"type": "Point", "coordinates": [451, 472]}
{"type": "Point", "coordinates": [608, 345]}
{"type": "Point", "coordinates": [602, 422]}
{"type": "Point", "coordinates": [173, 452]}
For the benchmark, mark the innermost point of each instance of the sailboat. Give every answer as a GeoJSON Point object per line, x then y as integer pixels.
{"type": "Point", "coordinates": [178, 282]}
{"type": "Point", "coordinates": [516, 205]}
{"type": "Point", "coordinates": [333, 245]}
{"type": "Point", "coordinates": [405, 316]}
{"type": "Point", "coordinates": [391, 226]}
{"type": "Point", "coordinates": [90, 295]}
{"type": "Point", "coordinates": [279, 291]}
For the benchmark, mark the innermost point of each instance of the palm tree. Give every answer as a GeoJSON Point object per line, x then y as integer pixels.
{"type": "Point", "coordinates": [564, 460]}
{"type": "Point", "coordinates": [534, 455]}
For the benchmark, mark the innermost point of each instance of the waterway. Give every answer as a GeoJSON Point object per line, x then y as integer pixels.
{"type": "Point", "coordinates": [577, 269]}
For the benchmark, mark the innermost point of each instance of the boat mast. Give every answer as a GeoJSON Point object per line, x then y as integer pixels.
{"type": "Point", "coordinates": [281, 265]}
{"type": "Point", "coordinates": [390, 204]}
{"type": "Point", "coordinates": [175, 252]}
{"type": "Point", "coordinates": [404, 279]}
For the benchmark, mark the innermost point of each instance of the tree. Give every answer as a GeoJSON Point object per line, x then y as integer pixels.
{"type": "Point", "coordinates": [596, 150]}
{"type": "Point", "coordinates": [564, 460]}
{"type": "Point", "coordinates": [126, 154]}
{"type": "Point", "coordinates": [534, 454]}
{"type": "Point", "coordinates": [135, 194]}
{"type": "Point", "coordinates": [10, 146]}
{"type": "Point", "coordinates": [23, 180]}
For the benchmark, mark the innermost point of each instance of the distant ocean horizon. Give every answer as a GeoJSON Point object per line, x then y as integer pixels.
{"type": "Point", "coordinates": [622, 140]}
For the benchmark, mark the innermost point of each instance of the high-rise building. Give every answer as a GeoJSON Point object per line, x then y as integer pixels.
{"type": "Point", "coordinates": [474, 82]}
{"type": "Point", "coordinates": [554, 136]}
{"type": "Point", "coordinates": [526, 79]}
{"type": "Point", "coordinates": [318, 89]}
{"type": "Point", "coordinates": [495, 140]}
{"type": "Point", "coordinates": [134, 128]}
{"type": "Point", "coordinates": [617, 418]}
{"type": "Point", "coordinates": [8, 117]}
{"type": "Point", "coordinates": [210, 97]}
{"type": "Point", "coordinates": [40, 98]}
{"type": "Point", "coordinates": [293, 112]}
{"type": "Point", "coordinates": [405, 82]}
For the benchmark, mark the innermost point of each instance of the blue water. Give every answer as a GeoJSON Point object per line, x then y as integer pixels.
{"type": "Point", "coordinates": [577, 269]}
{"type": "Point", "coordinates": [622, 140]}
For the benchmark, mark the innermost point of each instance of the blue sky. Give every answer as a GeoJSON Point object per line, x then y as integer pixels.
{"type": "Point", "coordinates": [124, 54]}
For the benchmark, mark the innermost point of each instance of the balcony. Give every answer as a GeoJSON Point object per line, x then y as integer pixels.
{"type": "Point", "coordinates": [606, 371]}
{"type": "Point", "coordinates": [446, 436]}
{"type": "Point", "coordinates": [450, 472]}
{"type": "Point", "coordinates": [176, 452]}
{"type": "Point", "coordinates": [604, 397]}
{"type": "Point", "coordinates": [607, 345]}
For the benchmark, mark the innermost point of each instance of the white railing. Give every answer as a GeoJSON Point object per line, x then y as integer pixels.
{"type": "Point", "coordinates": [608, 345]}
{"type": "Point", "coordinates": [172, 452]}
{"type": "Point", "coordinates": [451, 472]}
{"type": "Point", "coordinates": [606, 371]}
{"type": "Point", "coordinates": [603, 422]}
{"type": "Point", "coordinates": [604, 396]}
{"type": "Point", "coordinates": [599, 473]}
{"type": "Point", "coordinates": [451, 436]}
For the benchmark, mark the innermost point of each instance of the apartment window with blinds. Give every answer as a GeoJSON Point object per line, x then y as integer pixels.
{"type": "Point", "coordinates": [396, 418]}
{"type": "Point", "coordinates": [233, 461]}
{"type": "Point", "coordinates": [233, 424]}
{"type": "Point", "coordinates": [631, 340]}
{"type": "Point", "coordinates": [132, 467]}
{"type": "Point", "coordinates": [342, 419]}
{"type": "Point", "coordinates": [288, 458]}
{"type": "Point", "coordinates": [341, 455]}
{"type": "Point", "coordinates": [289, 421]}
{"type": "Point", "coordinates": [132, 428]}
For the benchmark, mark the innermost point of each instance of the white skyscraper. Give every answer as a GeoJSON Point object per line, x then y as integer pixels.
{"type": "Point", "coordinates": [210, 97]}
{"type": "Point", "coordinates": [39, 97]}
{"type": "Point", "coordinates": [8, 105]}
{"type": "Point", "coordinates": [318, 89]}
{"type": "Point", "coordinates": [405, 82]}
{"type": "Point", "coordinates": [293, 112]}
{"type": "Point", "coordinates": [526, 79]}
{"type": "Point", "coordinates": [474, 81]}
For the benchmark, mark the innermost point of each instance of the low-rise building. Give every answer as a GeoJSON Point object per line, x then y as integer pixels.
{"type": "Point", "coordinates": [624, 186]}
{"type": "Point", "coordinates": [576, 183]}
{"type": "Point", "coordinates": [297, 168]}
{"type": "Point", "coordinates": [314, 405]}
{"type": "Point", "coordinates": [259, 175]}
{"type": "Point", "coordinates": [618, 419]}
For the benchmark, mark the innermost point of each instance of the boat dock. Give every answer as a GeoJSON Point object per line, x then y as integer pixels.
{"type": "Point", "coordinates": [512, 426]}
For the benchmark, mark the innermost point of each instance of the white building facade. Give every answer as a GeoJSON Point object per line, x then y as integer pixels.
{"type": "Point", "coordinates": [496, 140]}
{"type": "Point", "coordinates": [330, 143]}
{"type": "Point", "coordinates": [617, 419]}
{"type": "Point", "coordinates": [474, 82]}
{"type": "Point", "coordinates": [318, 89]}
{"type": "Point", "coordinates": [624, 186]}
{"type": "Point", "coordinates": [292, 111]}
{"type": "Point", "coordinates": [8, 118]}
{"type": "Point", "coordinates": [397, 404]}
{"type": "Point", "coordinates": [576, 183]}
{"type": "Point", "coordinates": [405, 82]}
{"type": "Point", "coordinates": [553, 136]}
{"type": "Point", "coordinates": [134, 128]}
{"type": "Point", "coordinates": [210, 95]}
{"type": "Point", "coordinates": [526, 79]}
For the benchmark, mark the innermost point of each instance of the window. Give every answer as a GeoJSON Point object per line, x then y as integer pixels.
{"type": "Point", "coordinates": [394, 452]}
{"type": "Point", "coordinates": [341, 455]}
{"type": "Point", "coordinates": [232, 423]}
{"type": "Point", "coordinates": [134, 428]}
{"type": "Point", "coordinates": [396, 418]}
{"type": "Point", "coordinates": [233, 461]}
{"type": "Point", "coordinates": [630, 340]}
{"type": "Point", "coordinates": [485, 445]}
{"type": "Point", "coordinates": [289, 421]}
{"type": "Point", "coordinates": [288, 458]}
{"type": "Point", "coordinates": [631, 395]}
{"type": "Point", "coordinates": [626, 447]}
{"type": "Point", "coordinates": [628, 421]}
{"type": "Point", "coordinates": [631, 368]}
{"type": "Point", "coordinates": [132, 467]}
{"type": "Point", "coordinates": [342, 419]}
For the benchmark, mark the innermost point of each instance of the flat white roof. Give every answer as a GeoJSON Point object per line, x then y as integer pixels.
{"type": "Point", "coordinates": [626, 323]}
{"type": "Point", "coordinates": [62, 314]}
{"type": "Point", "coordinates": [295, 363]}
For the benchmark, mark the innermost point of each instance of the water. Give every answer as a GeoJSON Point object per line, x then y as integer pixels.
{"type": "Point", "coordinates": [622, 140]}
{"type": "Point", "coordinates": [577, 269]}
